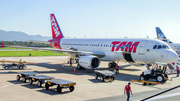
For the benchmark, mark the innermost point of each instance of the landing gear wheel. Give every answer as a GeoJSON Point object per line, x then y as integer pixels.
{"type": "Point", "coordinates": [47, 86]}
{"type": "Point", "coordinates": [102, 79]}
{"type": "Point", "coordinates": [159, 78]}
{"type": "Point", "coordinates": [6, 67]}
{"type": "Point", "coordinates": [17, 77]}
{"type": "Point", "coordinates": [24, 79]}
{"type": "Point", "coordinates": [110, 65]}
{"type": "Point", "coordinates": [30, 81]}
{"type": "Point", "coordinates": [71, 88]}
{"type": "Point", "coordinates": [79, 67]}
{"type": "Point", "coordinates": [21, 67]}
{"type": "Point", "coordinates": [59, 89]}
{"type": "Point", "coordinates": [96, 76]}
{"type": "Point", "coordinates": [39, 83]}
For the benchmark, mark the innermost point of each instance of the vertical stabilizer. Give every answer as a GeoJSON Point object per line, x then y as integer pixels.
{"type": "Point", "coordinates": [160, 33]}
{"type": "Point", "coordinates": [56, 31]}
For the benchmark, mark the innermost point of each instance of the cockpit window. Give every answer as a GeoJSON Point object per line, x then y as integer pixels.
{"type": "Point", "coordinates": [154, 46]}
{"type": "Point", "coordinates": [159, 47]}
{"type": "Point", "coordinates": [165, 47]}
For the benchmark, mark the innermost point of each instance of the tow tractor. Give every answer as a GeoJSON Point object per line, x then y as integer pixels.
{"type": "Point", "coordinates": [14, 65]}
{"type": "Point", "coordinates": [156, 72]}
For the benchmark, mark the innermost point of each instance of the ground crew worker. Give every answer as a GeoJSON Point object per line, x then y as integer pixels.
{"type": "Point", "coordinates": [160, 69]}
{"type": "Point", "coordinates": [177, 68]}
{"type": "Point", "coordinates": [117, 69]}
{"type": "Point", "coordinates": [20, 61]}
{"type": "Point", "coordinates": [70, 61]}
{"type": "Point", "coordinates": [127, 89]}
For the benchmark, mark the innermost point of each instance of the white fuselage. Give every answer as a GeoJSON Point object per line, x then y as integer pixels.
{"type": "Point", "coordinates": [175, 46]}
{"type": "Point", "coordinates": [141, 50]}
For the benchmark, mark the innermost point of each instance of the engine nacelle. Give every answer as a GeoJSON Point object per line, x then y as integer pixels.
{"type": "Point", "coordinates": [89, 62]}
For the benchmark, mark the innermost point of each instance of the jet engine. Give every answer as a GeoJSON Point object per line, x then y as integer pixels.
{"type": "Point", "coordinates": [89, 62]}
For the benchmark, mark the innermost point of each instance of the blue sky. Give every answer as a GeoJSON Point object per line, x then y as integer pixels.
{"type": "Point", "coordinates": [93, 18]}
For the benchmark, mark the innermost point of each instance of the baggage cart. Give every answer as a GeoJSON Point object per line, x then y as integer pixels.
{"type": "Point", "coordinates": [25, 75]}
{"type": "Point", "coordinates": [104, 75]}
{"type": "Point", "coordinates": [40, 78]}
{"type": "Point", "coordinates": [60, 84]}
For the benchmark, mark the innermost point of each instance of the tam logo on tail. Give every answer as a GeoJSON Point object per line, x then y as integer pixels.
{"type": "Point", "coordinates": [56, 31]}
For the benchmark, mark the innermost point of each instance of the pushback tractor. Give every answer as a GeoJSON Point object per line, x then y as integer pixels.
{"type": "Point", "coordinates": [156, 72]}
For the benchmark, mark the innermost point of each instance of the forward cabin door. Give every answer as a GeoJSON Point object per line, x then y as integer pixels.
{"type": "Point", "coordinates": [142, 47]}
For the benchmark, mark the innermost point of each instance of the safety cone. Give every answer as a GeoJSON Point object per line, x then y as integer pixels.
{"type": "Point", "coordinates": [63, 66]}
{"type": "Point", "coordinates": [74, 70]}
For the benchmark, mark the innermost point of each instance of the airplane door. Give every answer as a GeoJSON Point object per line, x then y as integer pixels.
{"type": "Point", "coordinates": [142, 47]}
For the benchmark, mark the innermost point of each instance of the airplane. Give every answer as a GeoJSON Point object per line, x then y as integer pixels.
{"type": "Point", "coordinates": [161, 36]}
{"type": "Point", "coordinates": [138, 52]}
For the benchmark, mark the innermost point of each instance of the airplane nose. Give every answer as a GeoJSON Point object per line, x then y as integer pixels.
{"type": "Point", "coordinates": [173, 56]}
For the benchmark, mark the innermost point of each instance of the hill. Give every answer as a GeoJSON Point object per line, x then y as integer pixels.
{"type": "Point", "coordinates": [20, 36]}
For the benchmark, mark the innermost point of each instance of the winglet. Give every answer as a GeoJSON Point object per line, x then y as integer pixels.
{"type": "Point", "coordinates": [2, 45]}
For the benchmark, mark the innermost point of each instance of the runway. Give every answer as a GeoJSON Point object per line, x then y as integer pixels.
{"type": "Point", "coordinates": [87, 88]}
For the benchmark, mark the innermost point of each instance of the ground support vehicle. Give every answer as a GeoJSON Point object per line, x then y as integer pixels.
{"type": "Point", "coordinates": [60, 84]}
{"type": "Point", "coordinates": [104, 75]}
{"type": "Point", "coordinates": [40, 78]}
{"type": "Point", "coordinates": [13, 66]}
{"type": "Point", "coordinates": [155, 73]}
{"type": "Point", "coordinates": [25, 75]}
{"type": "Point", "coordinates": [145, 82]}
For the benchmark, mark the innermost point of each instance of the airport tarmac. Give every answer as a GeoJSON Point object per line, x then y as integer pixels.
{"type": "Point", "coordinates": [87, 87]}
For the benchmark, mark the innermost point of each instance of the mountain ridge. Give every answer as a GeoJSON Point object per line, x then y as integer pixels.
{"type": "Point", "coordinates": [20, 36]}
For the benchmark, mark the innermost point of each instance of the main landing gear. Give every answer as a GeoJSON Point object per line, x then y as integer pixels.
{"type": "Point", "coordinates": [112, 64]}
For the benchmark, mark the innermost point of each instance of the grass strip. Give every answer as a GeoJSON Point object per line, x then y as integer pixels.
{"type": "Point", "coordinates": [27, 53]}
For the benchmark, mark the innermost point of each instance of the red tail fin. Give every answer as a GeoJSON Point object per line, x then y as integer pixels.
{"type": "Point", "coordinates": [56, 31]}
{"type": "Point", "coordinates": [2, 45]}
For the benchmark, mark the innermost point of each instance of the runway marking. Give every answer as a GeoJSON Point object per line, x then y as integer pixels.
{"type": "Point", "coordinates": [7, 85]}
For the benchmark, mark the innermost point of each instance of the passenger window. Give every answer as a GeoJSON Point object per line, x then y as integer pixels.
{"type": "Point", "coordinates": [154, 46]}
{"type": "Point", "coordinates": [159, 47]}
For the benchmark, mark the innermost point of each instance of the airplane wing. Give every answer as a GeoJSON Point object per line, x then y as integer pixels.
{"type": "Point", "coordinates": [98, 54]}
